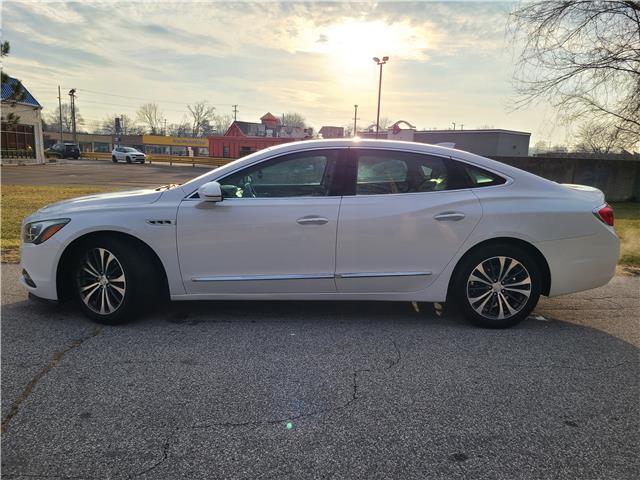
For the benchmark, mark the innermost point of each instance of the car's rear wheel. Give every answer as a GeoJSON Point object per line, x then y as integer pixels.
{"type": "Point", "coordinates": [114, 159]}
{"type": "Point", "coordinates": [112, 282]}
{"type": "Point", "coordinates": [128, 159]}
{"type": "Point", "coordinates": [497, 286]}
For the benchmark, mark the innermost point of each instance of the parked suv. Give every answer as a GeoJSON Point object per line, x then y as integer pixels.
{"type": "Point", "coordinates": [63, 150]}
{"type": "Point", "coordinates": [127, 154]}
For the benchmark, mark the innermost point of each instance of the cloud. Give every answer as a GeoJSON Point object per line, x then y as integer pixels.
{"type": "Point", "coordinates": [314, 57]}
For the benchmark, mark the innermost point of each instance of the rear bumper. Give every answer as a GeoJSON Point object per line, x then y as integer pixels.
{"type": "Point", "coordinates": [581, 263]}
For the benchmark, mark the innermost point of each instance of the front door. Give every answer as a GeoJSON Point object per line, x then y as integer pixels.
{"type": "Point", "coordinates": [408, 215]}
{"type": "Point", "coordinates": [274, 231]}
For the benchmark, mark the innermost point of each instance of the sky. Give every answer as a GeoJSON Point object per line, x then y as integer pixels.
{"type": "Point", "coordinates": [449, 61]}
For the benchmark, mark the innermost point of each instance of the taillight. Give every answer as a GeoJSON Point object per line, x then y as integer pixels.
{"type": "Point", "coordinates": [605, 214]}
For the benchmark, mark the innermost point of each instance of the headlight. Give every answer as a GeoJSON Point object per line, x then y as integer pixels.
{"type": "Point", "coordinates": [41, 231]}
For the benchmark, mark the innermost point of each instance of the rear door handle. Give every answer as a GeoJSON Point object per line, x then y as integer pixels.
{"type": "Point", "coordinates": [312, 220]}
{"type": "Point", "coordinates": [449, 216]}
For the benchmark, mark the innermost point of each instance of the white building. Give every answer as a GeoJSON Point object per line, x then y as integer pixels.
{"type": "Point", "coordinates": [21, 129]}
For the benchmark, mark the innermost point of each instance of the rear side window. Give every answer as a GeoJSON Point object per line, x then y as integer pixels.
{"type": "Point", "coordinates": [389, 172]}
{"type": "Point", "coordinates": [481, 178]}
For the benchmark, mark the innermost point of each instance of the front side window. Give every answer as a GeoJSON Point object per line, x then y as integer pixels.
{"type": "Point", "coordinates": [387, 172]}
{"type": "Point", "coordinates": [305, 174]}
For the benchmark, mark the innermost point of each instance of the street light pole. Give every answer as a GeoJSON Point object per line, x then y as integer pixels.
{"type": "Point", "coordinates": [60, 111]}
{"type": "Point", "coordinates": [72, 94]}
{"type": "Point", "coordinates": [355, 120]}
{"type": "Point", "coordinates": [381, 63]}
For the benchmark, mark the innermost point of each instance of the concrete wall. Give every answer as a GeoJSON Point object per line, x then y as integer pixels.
{"type": "Point", "coordinates": [618, 179]}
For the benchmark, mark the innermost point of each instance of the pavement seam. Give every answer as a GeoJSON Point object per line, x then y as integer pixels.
{"type": "Point", "coordinates": [15, 406]}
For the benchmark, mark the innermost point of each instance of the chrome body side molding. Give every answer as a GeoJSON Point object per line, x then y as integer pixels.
{"type": "Point", "coordinates": [310, 276]}
{"type": "Point", "coordinates": [381, 274]}
{"type": "Point", "coordinates": [252, 278]}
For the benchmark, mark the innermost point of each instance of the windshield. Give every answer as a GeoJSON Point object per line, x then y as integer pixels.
{"type": "Point", "coordinates": [129, 149]}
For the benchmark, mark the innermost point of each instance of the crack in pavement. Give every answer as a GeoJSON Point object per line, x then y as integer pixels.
{"type": "Point", "coordinates": [15, 406]}
{"type": "Point", "coordinates": [354, 397]}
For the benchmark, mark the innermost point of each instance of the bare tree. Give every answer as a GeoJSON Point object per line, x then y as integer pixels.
{"type": "Point", "coordinates": [182, 129]}
{"type": "Point", "coordinates": [293, 119]}
{"type": "Point", "coordinates": [221, 123]}
{"type": "Point", "coordinates": [53, 119]}
{"type": "Point", "coordinates": [150, 116]}
{"type": "Point", "coordinates": [541, 146]}
{"type": "Point", "coordinates": [385, 123]}
{"type": "Point", "coordinates": [202, 114]}
{"type": "Point", "coordinates": [581, 56]}
{"type": "Point", "coordinates": [128, 125]}
{"type": "Point", "coordinates": [598, 136]}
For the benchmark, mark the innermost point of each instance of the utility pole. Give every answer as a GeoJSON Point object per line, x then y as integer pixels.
{"type": "Point", "coordinates": [462, 126]}
{"type": "Point", "coordinates": [381, 63]}
{"type": "Point", "coordinates": [454, 125]}
{"type": "Point", "coordinates": [72, 94]}
{"type": "Point", "coordinates": [355, 120]}
{"type": "Point", "coordinates": [235, 112]}
{"type": "Point", "coordinates": [165, 127]}
{"type": "Point", "coordinates": [60, 111]}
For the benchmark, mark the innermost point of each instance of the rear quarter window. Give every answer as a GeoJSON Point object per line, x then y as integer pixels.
{"type": "Point", "coordinates": [479, 177]}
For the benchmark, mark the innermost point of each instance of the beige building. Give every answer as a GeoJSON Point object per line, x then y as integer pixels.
{"type": "Point", "coordinates": [21, 130]}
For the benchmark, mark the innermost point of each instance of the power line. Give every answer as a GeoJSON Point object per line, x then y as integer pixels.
{"type": "Point", "coordinates": [95, 92]}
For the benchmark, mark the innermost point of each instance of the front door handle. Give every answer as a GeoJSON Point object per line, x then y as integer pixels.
{"type": "Point", "coordinates": [312, 220]}
{"type": "Point", "coordinates": [449, 216]}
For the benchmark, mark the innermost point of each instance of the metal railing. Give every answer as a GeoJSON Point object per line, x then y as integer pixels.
{"type": "Point", "coordinates": [13, 153]}
{"type": "Point", "coordinates": [170, 159]}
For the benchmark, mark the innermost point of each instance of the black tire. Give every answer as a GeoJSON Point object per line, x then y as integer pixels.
{"type": "Point", "coordinates": [128, 159]}
{"type": "Point", "coordinates": [494, 298]}
{"type": "Point", "coordinates": [131, 273]}
{"type": "Point", "coordinates": [114, 159]}
{"type": "Point", "coordinates": [141, 162]}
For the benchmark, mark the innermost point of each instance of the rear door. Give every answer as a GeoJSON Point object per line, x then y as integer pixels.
{"type": "Point", "coordinates": [401, 222]}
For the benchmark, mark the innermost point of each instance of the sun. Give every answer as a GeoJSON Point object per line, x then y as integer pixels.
{"type": "Point", "coordinates": [348, 47]}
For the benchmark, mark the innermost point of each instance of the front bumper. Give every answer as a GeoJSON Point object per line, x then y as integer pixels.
{"type": "Point", "coordinates": [40, 263]}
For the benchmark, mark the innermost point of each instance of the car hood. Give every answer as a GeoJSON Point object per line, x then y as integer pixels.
{"type": "Point", "coordinates": [134, 198]}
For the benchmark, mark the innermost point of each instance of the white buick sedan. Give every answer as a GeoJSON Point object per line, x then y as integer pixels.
{"type": "Point", "coordinates": [329, 220]}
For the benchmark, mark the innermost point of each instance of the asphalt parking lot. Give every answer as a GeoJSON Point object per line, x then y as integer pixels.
{"type": "Point", "coordinates": [99, 172]}
{"type": "Point", "coordinates": [321, 390]}
{"type": "Point", "coordinates": [251, 390]}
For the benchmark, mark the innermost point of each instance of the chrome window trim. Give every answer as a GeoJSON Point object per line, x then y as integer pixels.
{"type": "Point", "coordinates": [266, 159]}
{"type": "Point", "coordinates": [508, 179]}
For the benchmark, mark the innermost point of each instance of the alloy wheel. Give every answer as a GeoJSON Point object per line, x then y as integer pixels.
{"type": "Point", "coordinates": [499, 288]}
{"type": "Point", "coordinates": [101, 281]}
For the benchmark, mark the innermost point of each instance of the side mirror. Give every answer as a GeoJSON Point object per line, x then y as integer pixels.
{"type": "Point", "coordinates": [210, 192]}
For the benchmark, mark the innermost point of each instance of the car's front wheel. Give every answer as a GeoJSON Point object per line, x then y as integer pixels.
{"type": "Point", "coordinates": [114, 159]}
{"type": "Point", "coordinates": [497, 286]}
{"type": "Point", "coordinates": [128, 159]}
{"type": "Point", "coordinates": [111, 281]}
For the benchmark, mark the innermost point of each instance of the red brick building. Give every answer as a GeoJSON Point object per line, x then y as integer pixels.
{"type": "Point", "coordinates": [243, 138]}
